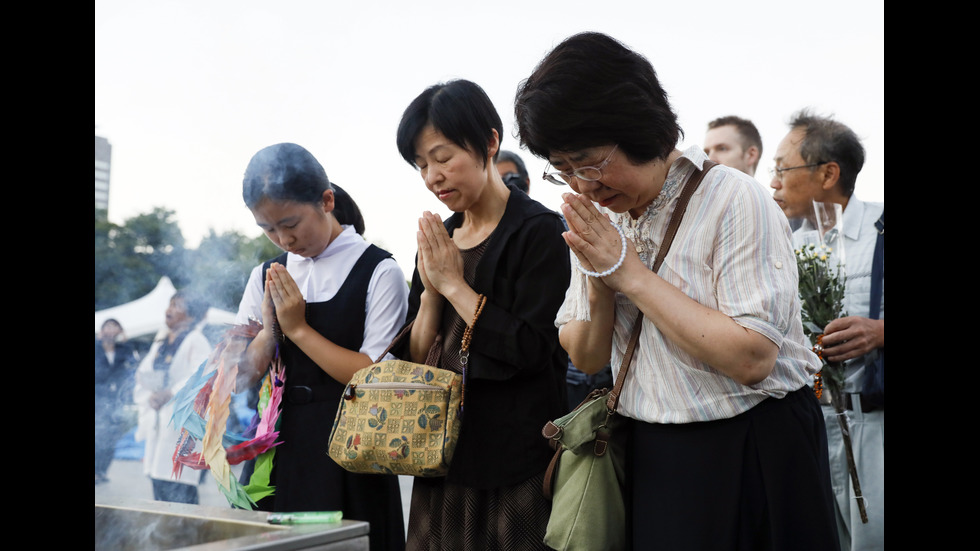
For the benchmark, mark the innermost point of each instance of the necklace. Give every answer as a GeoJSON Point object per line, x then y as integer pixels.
{"type": "Point", "coordinates": [637, 229]}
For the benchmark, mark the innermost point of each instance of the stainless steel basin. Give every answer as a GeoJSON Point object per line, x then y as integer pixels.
{"type": "Point", "coordinates": [141, 525]}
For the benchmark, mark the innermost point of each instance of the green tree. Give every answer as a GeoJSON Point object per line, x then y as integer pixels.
{"type": "Point", "coordinates": [130, 259]}
{"type": "Point", "coordinates": [157, 238]}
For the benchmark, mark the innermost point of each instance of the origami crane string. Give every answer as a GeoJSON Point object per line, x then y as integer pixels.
{"type": "Point", "coordinates": [201, 410]}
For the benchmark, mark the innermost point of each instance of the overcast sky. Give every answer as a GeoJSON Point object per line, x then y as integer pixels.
{"type": "Point", "coordinates": [187, 91]}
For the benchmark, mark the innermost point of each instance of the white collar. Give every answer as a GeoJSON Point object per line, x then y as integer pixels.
{"type": "Point", "coordinates": [347, 239]}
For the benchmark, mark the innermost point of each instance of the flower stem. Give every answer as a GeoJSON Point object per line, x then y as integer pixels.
{"type": "Point", "coordinates": [837, 399]}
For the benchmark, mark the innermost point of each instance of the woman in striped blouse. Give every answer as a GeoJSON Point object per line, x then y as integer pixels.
{"type": "Point", "coordinates": [727, 446]}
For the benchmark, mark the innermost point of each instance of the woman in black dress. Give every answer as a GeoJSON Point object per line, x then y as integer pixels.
{"type": "Point", "coordinates": [499, 267]}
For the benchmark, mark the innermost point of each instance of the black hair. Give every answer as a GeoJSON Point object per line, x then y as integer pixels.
{"type": "Point", "coordinates": [288, 172]}
{"type": "Point", "coordinates": [111, 320]}
{"type": "Point", "coordinates": [459, 109]}
{"type": "Point", "coordinates": [826, 140]}
{"type": "Point", "coordinates": [284, 172]}
{"type": "Point", "coordinates": [591, 90]}
{"type": "Point", "coordinates": [346, 210]}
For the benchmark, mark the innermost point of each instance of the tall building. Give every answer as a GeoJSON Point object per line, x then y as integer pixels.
{"type": "Point", "coordinates": [103, 160]}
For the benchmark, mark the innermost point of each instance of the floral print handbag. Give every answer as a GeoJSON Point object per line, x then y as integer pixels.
{"type": "Point", "coordinates": [399, 417]}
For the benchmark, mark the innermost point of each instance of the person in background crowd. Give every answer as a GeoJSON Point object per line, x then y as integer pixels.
{"type": "Point", "coordinates": [734, 142]}
{"type": "Point", "coordinates": [173, 357]}
{"type": "Point", "coordinates": [329, 305]}
{"type": "Point", "coordinates": [115, 362]}
{"type": "Point", "coordinates": [819, 160]}
{"type": "Point", "coordinates": [727, 446]}
{"type": "Point", "coordinates": [496, 269]}
{"type": "Point", "coordinates": [512, 170]}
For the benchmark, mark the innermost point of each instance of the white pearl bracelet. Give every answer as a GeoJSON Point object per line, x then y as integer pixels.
{"type": "Point", "coordinates": [622, 257]}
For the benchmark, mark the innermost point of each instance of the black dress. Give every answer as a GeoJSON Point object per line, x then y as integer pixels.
{"type": "Point", "coordinates": [453, 517]}
{"type": "Point", "coordinates": [515, 382]}
{"type": "Point", "coordinates": [305, 477]}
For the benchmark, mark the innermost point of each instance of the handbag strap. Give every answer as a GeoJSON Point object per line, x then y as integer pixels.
{"type": "Point", "coordinates": [692, 183]}
{"type": "Point", "coordinates": [878, 268]}
{"type": "Point", "coordinates": [435, 351]}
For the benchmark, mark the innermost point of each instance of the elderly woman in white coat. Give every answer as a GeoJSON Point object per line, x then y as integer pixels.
{"type": "Point", "coordinates": [175, 355]}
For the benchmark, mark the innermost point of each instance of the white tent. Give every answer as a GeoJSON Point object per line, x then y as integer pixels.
{"type": "Point", "coordinates": [145, 315]}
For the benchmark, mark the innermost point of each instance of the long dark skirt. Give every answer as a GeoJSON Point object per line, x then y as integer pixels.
{"type": "Point", "coordinates": [449, 517]}
{"type": "Point", "coordinates": [757, 481]}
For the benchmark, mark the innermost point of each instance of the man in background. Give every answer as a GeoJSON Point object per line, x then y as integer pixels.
{"type": "Point", "coordinates": [734, 142]}
{"type": "Point", "coordinates": [819, 160]}
{"type": "Point", "coordinates": [512, 170]}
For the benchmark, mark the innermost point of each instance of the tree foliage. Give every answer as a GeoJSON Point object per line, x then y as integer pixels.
{"type": "Point", "coordinates": [131, 258]}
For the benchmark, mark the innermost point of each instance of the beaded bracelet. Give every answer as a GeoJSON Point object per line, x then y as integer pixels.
{"type": "Point", "coordinates": [464, 351]}
{"type": "Point", "coordinates": [622, 257]}
{"type": "Point", "coordinates": [277, 334]}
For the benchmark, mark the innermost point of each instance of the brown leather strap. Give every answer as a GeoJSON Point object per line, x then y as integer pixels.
{"type": "Point", "coordinates": [433, 356]}
{"type": "Point", "coordinates": [692, 183]}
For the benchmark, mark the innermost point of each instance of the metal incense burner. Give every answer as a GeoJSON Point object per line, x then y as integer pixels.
{"type": "Point", "coordinates": [123, 524]}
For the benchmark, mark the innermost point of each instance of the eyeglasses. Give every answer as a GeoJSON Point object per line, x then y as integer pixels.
{"type": "Point", "coordinates": [586, 173]}
{"type": "Point", "coordinates": [777, 173]}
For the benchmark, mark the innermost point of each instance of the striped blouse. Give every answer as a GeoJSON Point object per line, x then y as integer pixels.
{"type": "Point", "coordinates": [731, 253]}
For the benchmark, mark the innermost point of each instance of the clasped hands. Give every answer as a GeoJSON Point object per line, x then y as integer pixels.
{"type": "Point", "coordinates": [282, 302]}
{"type": "Point", "coordinates": [594, 240]}
{"type": "Point", "coordinates": [439, 262]}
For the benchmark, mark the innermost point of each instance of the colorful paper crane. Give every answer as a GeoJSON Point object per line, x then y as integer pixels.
{"type": "Point", "coordinates": [201, 410]}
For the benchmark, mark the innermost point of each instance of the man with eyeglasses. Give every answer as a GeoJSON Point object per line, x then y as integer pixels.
{"type": "Point", "coordinates": [819, 160]}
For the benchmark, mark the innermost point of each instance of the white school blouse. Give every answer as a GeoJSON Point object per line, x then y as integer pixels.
{"type": "Point", "coordinates": [319, 278]}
